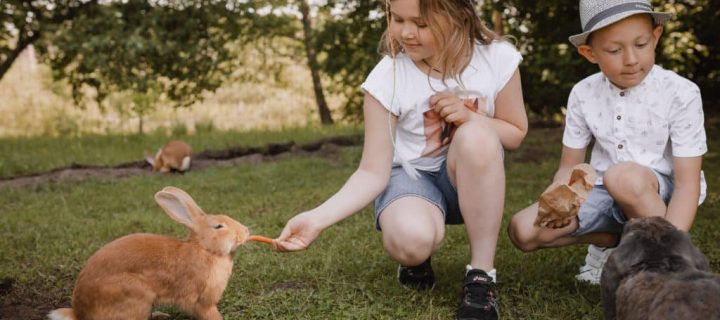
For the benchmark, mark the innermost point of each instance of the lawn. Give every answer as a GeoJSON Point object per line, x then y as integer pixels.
{"type": "Point", "coordinates": [48, 231]}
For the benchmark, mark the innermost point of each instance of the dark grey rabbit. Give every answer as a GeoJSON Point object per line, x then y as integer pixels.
{"type": "Point", "coordinates": [656, 273]}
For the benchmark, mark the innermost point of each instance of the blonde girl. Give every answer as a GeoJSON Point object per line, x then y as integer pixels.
{"type": "Point", "coordinates": [439, 109]}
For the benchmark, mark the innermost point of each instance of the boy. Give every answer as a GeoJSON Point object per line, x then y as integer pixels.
{"type": "Point", "coordinates": [649, 136]}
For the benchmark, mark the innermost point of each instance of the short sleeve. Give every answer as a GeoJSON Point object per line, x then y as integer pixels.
{"type": "Point", "coordinates": [687, 129]}
{"type": "Point", "coordinates": [577, 135]}
{"type": "Point", "coordinates": [379, 84]}
{"type": "Point", "coordinates": [506, 60]}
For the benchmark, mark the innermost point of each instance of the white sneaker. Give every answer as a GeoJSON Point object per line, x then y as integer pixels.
{"type": "Point", "coordinates": [594, 263]}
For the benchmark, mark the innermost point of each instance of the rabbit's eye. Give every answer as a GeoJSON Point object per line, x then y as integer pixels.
{"type": "Point", "coordinates": [220, 226]}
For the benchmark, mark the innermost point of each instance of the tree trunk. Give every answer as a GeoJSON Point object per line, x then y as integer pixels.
{"type": "Point", "coordinates": [497, 22]}
{"type": "Point", "coordinates": [59, 15]}
{"type": "Point", "coordinates": [22, 43]}
{"type": "Point", "coordinates": [323, 110]}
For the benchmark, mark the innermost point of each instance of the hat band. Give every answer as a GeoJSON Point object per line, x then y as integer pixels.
{"type": "Point", "coordinates": [615, 10]}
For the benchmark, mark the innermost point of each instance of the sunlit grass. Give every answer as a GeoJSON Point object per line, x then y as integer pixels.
{"type": "Point", "coordinates": [32, 104]}
{"type": "Point", "coordinates": [47, 232]}
{"type": "Point", "coordinates": [26, 155]}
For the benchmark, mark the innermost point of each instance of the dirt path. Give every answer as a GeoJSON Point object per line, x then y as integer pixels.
{"type": "Point", "coordinates": [208, 158]}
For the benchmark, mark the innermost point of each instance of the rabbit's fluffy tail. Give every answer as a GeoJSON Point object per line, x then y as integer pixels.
{"type": "Point", "coordinates": [62, 314]}
{"type": "Point", "coordinates": [185, 164]}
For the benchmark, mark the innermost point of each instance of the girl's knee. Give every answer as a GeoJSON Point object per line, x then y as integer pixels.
{"type": "Point", "coordinates": [409, 248]}
{"type": "Point", "coordinates": [476, 140]}
{"type": "Point", "coordinates": [410, 244]}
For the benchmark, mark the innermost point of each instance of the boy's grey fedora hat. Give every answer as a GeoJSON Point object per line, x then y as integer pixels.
{"type": "Point", "coordinates": [597, 14]}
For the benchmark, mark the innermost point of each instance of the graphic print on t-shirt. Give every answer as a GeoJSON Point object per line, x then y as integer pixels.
{"type": "Point", "coordinates": [439, 133]}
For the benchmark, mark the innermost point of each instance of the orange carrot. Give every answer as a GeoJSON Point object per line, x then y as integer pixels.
{"type": "Point", "coordinates": [261, 239]}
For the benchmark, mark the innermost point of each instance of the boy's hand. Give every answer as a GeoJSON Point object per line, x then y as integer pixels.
{"type": "Point", "coordinates": [560, 223]}
{"type": "Point", "coordinates": [298, 234]}
{"type": "Point", "coordinates": [451, 108]}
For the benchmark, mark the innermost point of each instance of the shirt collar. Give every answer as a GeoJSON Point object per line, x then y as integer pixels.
{"type": "Point", "coordinates": [614, 90]}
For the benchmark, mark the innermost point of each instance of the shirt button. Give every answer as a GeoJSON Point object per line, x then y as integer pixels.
{"type": "Point", "coordinates": [619, 117]}
{"type": "Point", "coordinates": [620, 146]}
{"type": "Point", "coordinates": [622, 93]}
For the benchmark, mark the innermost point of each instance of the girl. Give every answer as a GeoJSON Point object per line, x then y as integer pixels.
{"type": "Point", "coordinates": [439, 108]}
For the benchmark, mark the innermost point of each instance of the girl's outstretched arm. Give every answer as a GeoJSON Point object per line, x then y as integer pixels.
{"type": "Point", "coordinates": [370, 178]}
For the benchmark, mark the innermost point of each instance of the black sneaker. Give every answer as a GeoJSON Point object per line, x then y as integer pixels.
{"type": "Point", "coordinates": [420, 277]}
{"type": "Point", "coordinates": [479, 297]}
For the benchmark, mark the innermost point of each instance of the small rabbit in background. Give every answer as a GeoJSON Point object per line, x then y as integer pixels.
{"type": "Point", "coordinates": [128, 276]}
{"type": "Point", "coordinates": [656, 273]}
{"type": "Point", "coordinates": [175, 155]}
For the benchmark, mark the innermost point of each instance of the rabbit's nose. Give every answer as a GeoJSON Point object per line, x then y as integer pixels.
{"type": "Point", "coordinates": [243, 235]}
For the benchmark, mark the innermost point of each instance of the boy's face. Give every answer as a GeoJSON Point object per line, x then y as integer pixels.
{"type": "Point", "coordinates": [624, 50]}
{"type": "Point", "coordinates": [412, 30]}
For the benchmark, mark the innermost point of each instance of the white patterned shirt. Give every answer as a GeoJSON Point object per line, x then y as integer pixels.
{"type": "Point", "coordinates": [422, 136]}
{"type": "Point", "coordinates": [649, 124]}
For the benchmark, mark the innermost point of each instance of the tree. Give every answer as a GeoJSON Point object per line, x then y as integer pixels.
{"type": "Point", "coordinates": [323, 110]}
{"type": "Point", "coordinates": [282, 22]}
{"type": "Point", "coordinates": [174, 51]}
{"type": "Point", "coordinates": [339, 40]}
{"type": "Point", "coordinates": [349, 40]}
{"type": "Point", "coordinates": [23, 22]}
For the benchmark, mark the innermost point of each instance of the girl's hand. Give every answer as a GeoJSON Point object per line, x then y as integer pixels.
{"type": "Point", "coordinates": [298, 234]}
{"type": "Point", "coordinates": [451, 108]}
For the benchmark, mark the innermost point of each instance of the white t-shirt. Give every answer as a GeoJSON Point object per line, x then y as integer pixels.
{"type": "Point", "coordinates": [422, 136]}
{"type": "Point", "coordinates": [649, 124]}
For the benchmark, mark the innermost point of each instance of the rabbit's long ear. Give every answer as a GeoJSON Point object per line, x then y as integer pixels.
{"type": "Point", "coordinates": [182, 195]}
{"type": "Point", "coordinates": [176, 208]}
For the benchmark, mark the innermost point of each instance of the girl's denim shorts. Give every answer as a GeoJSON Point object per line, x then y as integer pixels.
{"type": "Point", "coordinates": [600, 213]}
{"type": "Point", "coordinates": [435, 187]}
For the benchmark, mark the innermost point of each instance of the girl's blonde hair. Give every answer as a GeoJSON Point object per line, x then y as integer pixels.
{"type": "Point", "coordinates": [457, 43]}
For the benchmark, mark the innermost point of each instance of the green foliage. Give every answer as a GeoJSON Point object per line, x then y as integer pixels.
{"type": "Point", "coordinates": [156, 51]}
{"type": "Point", "coordinates": [350, 41]}
{"type": "Point", "coordinates": [690, 46]}
{"type": "Point", "coordinates": [24, 22]}
{"type": "Point", "coordinates": [177, 50]}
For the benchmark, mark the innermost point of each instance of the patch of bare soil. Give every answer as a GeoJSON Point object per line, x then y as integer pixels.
{"type": "Point", "coordinates": [28, 303]}
{"type": "Point", "coordinates": [328, 148]}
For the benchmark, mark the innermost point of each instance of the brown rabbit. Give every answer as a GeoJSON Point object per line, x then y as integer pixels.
{"type": "Point", "coordinates": [126, 277]}
{"type": "Point", "coordinates": [175, 155]}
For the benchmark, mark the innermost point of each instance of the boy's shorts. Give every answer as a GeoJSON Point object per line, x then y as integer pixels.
{"type": "Point", "coordinates": [435, 187]}
{"type": "Point", "coordinates": [600, 213]}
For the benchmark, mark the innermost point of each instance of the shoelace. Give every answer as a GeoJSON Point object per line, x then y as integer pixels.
{"type": "Point", "coordinates": [476, 292]}
{"type": "Point", "coordinates": [480, 287]}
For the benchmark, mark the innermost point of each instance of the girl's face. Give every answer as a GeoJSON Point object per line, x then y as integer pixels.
{"type": "Point", "coordinates": [625, 50]}
{"type": "Point", "coordinates": [409, 28]}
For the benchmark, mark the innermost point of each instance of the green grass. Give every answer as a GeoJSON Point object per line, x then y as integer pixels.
{"type": "Point", "coordinates": [47, 232]}
{"type": "Point", "coordinates": [26, 155]}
